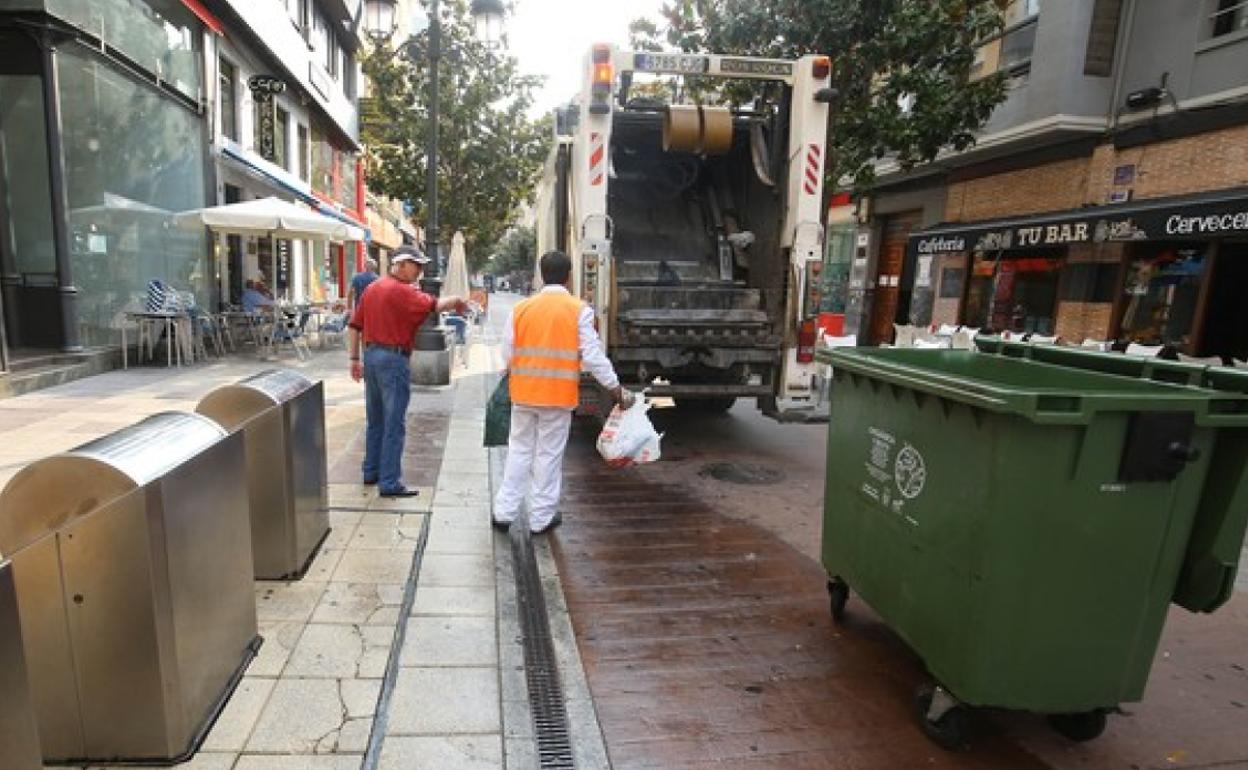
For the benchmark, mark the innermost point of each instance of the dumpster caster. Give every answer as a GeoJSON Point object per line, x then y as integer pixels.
{"type": "Point", "coordinates": [945, 721]}
{"type": "Point", "coordinates": [838, 591]}
{"type": "Point", "coordinates": [1079, 727]}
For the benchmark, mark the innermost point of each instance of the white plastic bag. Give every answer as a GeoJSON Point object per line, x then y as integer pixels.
{"type": "Point", "coordinates": [629, 437]}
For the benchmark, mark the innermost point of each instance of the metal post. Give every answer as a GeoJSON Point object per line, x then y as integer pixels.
{"type": "Point", "coordinates": [67, 292]}
{"type": "Point", "coordinates": [431, 172]}
{"type": "Point", "coordinates": [431, 339]}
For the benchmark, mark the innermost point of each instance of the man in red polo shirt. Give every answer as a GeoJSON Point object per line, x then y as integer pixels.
{"type": "Point", "coordinates": [385, 320]}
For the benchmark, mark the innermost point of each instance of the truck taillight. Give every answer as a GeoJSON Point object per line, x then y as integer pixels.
{"type": "Point", "coordinates": [821, 68]}
{"type": "Point", "coordinates": [807, 334]}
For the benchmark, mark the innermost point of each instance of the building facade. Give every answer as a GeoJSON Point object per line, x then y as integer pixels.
{"type": "Point", "coordinates": [283, 85]}
{"type": "Point", "coordinates": [117, 114]}
{"type": "Point", "coordinates": [102, 136]}
{"type": "Point", "coordinates": [1107, 198]}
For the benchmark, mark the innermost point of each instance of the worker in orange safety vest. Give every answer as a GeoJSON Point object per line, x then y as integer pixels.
{"type": "Point", "coordinates": [546, 341]}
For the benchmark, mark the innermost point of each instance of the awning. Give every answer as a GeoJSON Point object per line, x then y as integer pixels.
{"type": "Point", "coordinates": [1201, 216]}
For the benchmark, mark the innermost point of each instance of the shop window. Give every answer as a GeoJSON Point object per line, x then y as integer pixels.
{"type": "Point", "coordinates": [1161, 291]}
{"type": "Point", "coordinates": [227, 75]}
{"type": "Point", "coordinates": [1227, 16]}
{"type": "Point", "coordinates": [161, 36]}
{"type": "Point", "coordinates": [1016, 293]}
{"type": "Point", "coordinates": [132, 156]}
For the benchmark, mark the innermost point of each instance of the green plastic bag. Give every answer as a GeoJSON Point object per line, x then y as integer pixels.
{"type": "Point", "coordinates": [498, 415]}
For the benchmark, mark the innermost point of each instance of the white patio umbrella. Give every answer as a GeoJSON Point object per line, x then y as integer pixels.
{"type": "Point", "coordinates": [457, 269]}
{"type": "Point", "coordinates": [272, 217]}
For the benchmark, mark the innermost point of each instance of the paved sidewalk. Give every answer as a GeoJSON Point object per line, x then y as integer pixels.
{"type": "Point", "coordinates": [310, 700]}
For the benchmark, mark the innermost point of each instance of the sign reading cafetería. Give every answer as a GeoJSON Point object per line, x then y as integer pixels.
{"type": "Point", "coordinates": [264, 90]}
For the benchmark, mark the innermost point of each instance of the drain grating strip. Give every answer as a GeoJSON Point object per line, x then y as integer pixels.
{"type": "Point", "coordinates": [550, 714]}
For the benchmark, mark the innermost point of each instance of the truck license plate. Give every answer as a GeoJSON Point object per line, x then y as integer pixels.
{"type": "Point", "coordinates": [685, 64]}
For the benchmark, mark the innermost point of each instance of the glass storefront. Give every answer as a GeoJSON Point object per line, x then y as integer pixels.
{"type": "Point", "coordinates": [132, 159]}
{"type": "Point", "coordinates": [24, 161]}
{"type": "Point", "coordinates": [1013, 293]}
{"type": "Point", "coordinates": [1161, 294]}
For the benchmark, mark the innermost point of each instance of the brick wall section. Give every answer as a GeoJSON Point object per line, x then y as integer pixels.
{"type": "Point", "coordinates": [1053, 187]}
{"type": "Point", "coordinates": [1078, 321]}
{"type": "Point", "coordinates": [1214, 160]}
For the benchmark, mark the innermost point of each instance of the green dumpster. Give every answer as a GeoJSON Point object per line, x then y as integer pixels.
{"type": "Point", "coordinates": [1023, 519]}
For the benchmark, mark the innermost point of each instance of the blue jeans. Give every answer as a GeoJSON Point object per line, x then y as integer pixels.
{"type": "Point", "coordinates": [387, 390]}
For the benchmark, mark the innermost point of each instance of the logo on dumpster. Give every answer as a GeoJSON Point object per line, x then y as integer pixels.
{"type": "Point", "coordinates": [910, 472]}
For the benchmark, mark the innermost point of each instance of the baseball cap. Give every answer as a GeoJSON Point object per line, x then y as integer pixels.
{"type": "Point", "coordinates": [408, 254]}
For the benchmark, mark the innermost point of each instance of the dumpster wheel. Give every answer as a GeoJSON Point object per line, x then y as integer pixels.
{"type": "Point", "coordinates": [1080, 727]}
{"type": "Point", "coordinates": [838, 592]}
{"type": "Point", "coordinates": [945, 721]}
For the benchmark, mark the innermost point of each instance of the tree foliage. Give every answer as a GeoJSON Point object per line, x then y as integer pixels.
{"type": "Point", "coordinates": [901, 68]}
{"type": "Point", "coordinates": [489, 152]}
{"type": "Point", "coordinates": [516, 252]}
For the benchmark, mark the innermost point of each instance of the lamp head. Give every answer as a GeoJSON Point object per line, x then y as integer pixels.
{"type": "Point", "coordinates": [379, 18]}
{"type": "Point", "coordinates": [488, 15]}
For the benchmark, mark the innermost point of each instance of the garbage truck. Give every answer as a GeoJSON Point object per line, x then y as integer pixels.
{"type": "Point", "coordinates": [695, 230]}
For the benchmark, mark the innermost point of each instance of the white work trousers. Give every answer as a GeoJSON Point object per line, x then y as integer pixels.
{"type": "Point", "coordinates": [539, 434]}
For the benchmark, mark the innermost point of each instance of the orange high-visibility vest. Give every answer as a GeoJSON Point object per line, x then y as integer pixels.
{"type": "Point", "coordinates": [546, 359]}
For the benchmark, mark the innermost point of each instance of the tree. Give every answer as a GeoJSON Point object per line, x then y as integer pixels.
{"type": "Point", "coordinates": [490, 151]}
{"type": "Point", "coordinates": [901, 69]}
{"type": "Point", "coordinates": [516, 252]}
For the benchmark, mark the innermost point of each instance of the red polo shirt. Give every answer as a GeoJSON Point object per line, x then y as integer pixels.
{"type": "Point", "coordinates": [391, 311]}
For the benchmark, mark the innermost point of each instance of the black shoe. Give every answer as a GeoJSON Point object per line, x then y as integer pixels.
{"type": "Point", "coordinates": [370, 482]}
{"type": "Point", "coordinates": [400, 492]}
{"type": "Point", "coordinates": [501, 526]}
{"type": "Point", "coordinates": [556, 521]}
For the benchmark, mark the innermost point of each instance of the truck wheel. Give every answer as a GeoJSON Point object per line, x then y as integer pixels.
{"type": "Point", "coordinates": [715, 405]}
{"type": "Point", "coordinates": [1079, 727]}
{"type": "Point", "coordinates": [951, 731]}
{"type": "Point", "coordinates": [838, 592]}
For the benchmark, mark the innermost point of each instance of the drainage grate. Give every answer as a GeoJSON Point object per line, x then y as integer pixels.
{"type": "Point", "coordinates": [550, 715]}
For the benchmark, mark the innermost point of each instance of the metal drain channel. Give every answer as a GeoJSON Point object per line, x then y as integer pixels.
{"type": "Point", "coordinates": [541, 672]}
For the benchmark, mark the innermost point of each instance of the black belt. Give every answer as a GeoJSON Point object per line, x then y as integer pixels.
{"type": "Point", "coordinates": [392, 348]}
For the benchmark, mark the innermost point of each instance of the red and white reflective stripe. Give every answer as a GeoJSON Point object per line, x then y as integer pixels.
{"type": "Point", "coordinates": [597, 155]}
{"type": "Point", "coordinates": [814, 168]}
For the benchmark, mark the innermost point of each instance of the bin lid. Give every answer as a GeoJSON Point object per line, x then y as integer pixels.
{"type": "Point", "coordinates": [232, 405]}
{"type": "Point", "coordinates": [1048, 391]}
{"type": "Point", "coordinates": [49, 493]}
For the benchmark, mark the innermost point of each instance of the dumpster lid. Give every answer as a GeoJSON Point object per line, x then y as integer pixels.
{"type": "Point", "coordinates": [50, 492]}
{"type": "Point", "coordinates": [232, 405]}
{"type": "Point", "coordinates": [1043, 391]}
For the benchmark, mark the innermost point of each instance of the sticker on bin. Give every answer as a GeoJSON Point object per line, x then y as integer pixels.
{"type": "Point", "coordinates": [896, 474]}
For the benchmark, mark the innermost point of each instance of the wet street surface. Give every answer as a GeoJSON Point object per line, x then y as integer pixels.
{"type": "Point", "coordinates": [707, 641]}
{"type": "Point", "coordinates": [703, 621]}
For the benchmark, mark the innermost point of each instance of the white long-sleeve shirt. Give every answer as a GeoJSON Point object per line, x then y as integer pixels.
{"type": "Point", "coordinates": [593, 359]}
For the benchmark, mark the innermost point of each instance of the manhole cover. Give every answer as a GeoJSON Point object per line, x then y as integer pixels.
{"type": "Point", "coordinates": [742, 473]}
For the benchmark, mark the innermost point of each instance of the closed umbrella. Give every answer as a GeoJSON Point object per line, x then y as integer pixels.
{"type": "Point", "coordinates": [457, 269]}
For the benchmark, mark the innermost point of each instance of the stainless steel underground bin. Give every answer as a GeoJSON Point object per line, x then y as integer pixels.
{"type": "Point", "coordinates": [131, 557]}
{"type": "Point", "coordinates": [19, 739]}
{"type": "Point", "coordinates": [281, 415]}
